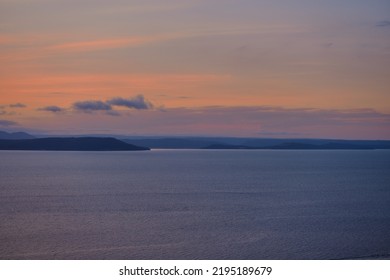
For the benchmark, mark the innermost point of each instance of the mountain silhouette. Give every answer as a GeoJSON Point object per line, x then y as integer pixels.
{"type": "Point", "coordinates": [70, 144]}
{"type": "Point", "coordinates": [15, 135]}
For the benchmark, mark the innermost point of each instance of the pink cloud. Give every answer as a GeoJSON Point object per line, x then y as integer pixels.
{"type": "Point", "coordinates": [109, 43]}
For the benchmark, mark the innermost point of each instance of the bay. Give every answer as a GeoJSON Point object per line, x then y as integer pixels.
{"type": "Point", "coordinates": [195, 204]}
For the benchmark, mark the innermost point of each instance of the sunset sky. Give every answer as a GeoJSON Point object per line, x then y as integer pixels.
{"type": "Point", "coordinates": [253, 68]}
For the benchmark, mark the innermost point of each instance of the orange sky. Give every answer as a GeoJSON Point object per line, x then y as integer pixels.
{"type": "Point", "coordinates": [188, 57]}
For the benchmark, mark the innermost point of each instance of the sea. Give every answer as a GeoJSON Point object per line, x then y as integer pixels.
{"type": "Point", "coordinates": [195, 204]}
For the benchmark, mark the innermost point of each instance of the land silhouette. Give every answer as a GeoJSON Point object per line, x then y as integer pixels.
{"type": "Point", "coordinates": [70, 144]}
{"type": "Point", "coordinates": [25, 141]}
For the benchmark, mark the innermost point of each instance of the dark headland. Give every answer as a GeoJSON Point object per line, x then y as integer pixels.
{"type": "Point", "coordinates": [70, 144]}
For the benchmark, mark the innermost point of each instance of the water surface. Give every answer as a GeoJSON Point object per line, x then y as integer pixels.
{"type": "Point", "coordinates": [195, 204]}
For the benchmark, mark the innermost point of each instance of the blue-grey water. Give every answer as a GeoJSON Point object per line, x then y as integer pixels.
{"type": "Point", "coordinates": [194, 204]}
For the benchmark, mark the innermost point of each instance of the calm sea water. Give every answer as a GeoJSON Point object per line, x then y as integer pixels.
{"type": "Point", "coordinates": [193, 204]}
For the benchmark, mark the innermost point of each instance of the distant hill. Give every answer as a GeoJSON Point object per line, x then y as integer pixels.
{"type": "Point", "coordinates": [325, 146]}
{"type": "Point", "coordinates": [297, 146]}
{"type": "Point", "coordinates": [15, 135]}
{"type": "Point", "coordinates": [171, 143]}
{"type": "Point", "coordinates": [360, 144]}
{"type": "Point", "coordinates": [70, 144]}
{"type": "Point", "coordinates": [200, 142]}
{"type": "Point", "coordinates": [254, 143]}
{"type": "Point", "coordinates": [229, 147]}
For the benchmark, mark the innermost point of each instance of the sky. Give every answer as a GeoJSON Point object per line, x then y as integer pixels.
{"type": "Point", "coordinates": [242, 68]}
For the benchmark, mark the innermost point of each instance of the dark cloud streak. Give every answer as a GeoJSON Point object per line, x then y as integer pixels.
{"type": "Point", "coordinates": [138, 102]}
{"type": "Point", "coordinates": [17, 105]}
{"type": "Point", "coordinates": [7, 123]}
{"type": "Point", "coordinates": [383, 23]}
{"type": "Point", "coordinates": [53, 109]}
{"type": "Point", "coordinates": [94, 105]}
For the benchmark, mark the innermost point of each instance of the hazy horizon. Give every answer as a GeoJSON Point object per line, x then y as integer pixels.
{"type": "Point", "coordinates": [178, 136]}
